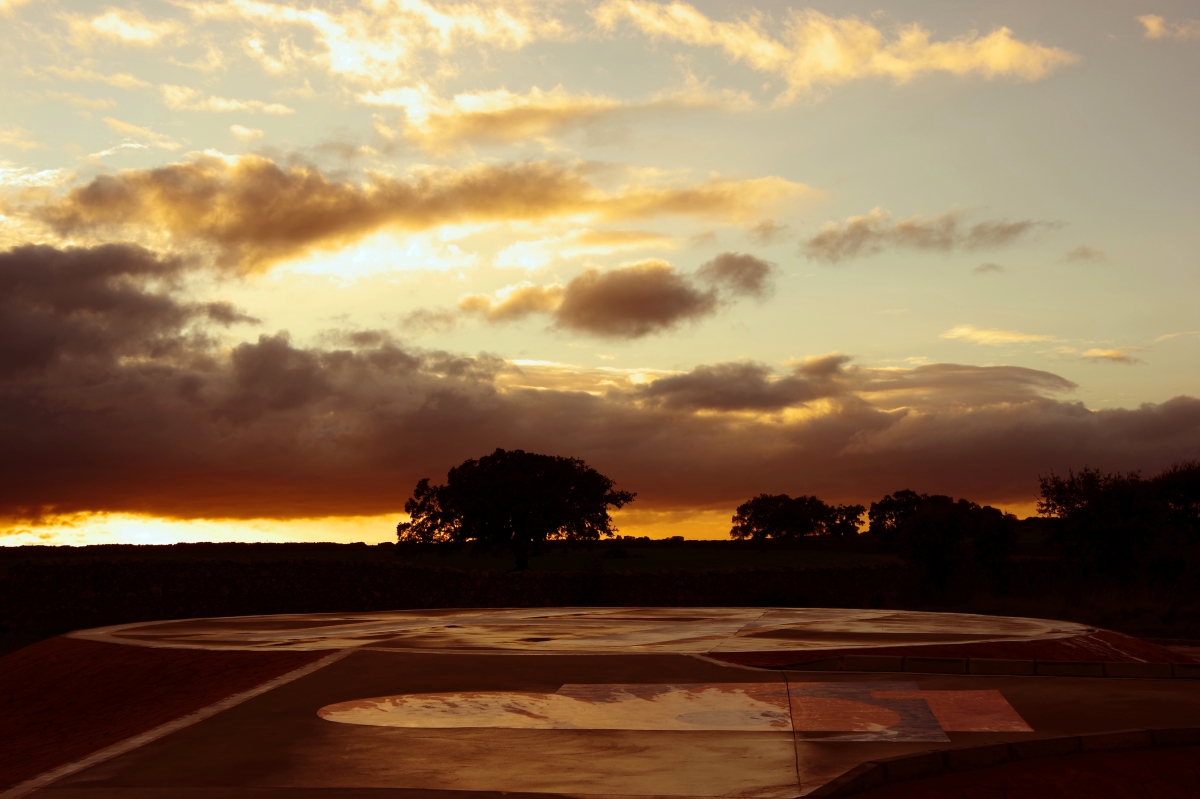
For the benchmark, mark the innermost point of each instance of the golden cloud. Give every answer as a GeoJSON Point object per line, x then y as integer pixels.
{"type": "Point", "coordinates": [817, 50]}
{"type": "Point", "coordinates": [500, 116]}
{"type": "Point", "coordinates": [589, 241]}
{"type": "Point", "coordinates": [256, 213]}
{"type": "Point", "coordinates": [993, 336]}
{"type": "Point", "coordinates": [185, 98]}
{"type": "Point", "coordinates": [1158, 28]}
{"type": "Point", "coordinates": [121, 79]}
{"type": "Point", "coordinates": [379, 42]}
{"type": "Point", "coordinates": [16, 136]}
{"type": "Point", "coordinates": [491, 117]}
{"type": "Point", "coordinates": [159, 140]}
{"type": "Point", "coordinates": [513, 302]}
{"type": "Point", "coordinates": [1117, 355]}
{"type": "Point", "coordinates": [80, 101]}
{"type": "Point", "coordinates": [123, 25]}
{"type": "Point", "coordinates": [245, 134]}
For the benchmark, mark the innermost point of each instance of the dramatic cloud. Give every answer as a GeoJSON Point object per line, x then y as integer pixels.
{"type": "Point", "coordinates": [632, 300]}
{"type": "Point", "coordinates": [738, 273]}
{"type": "Point", "coordinates": [114, 399]}
{"type": "Point", "coordinates": [501, 116]}
{"type": "Point", "coordinates": [1158, 28]}
{"type": "Point", "coordinates": [860, 236]}
{"type": "Point", "coordinates": [1118, 355]}
{"type": "Point", "coordinates": [993, 336]}
{"type": "Point", "coordinates": [256, 213]}
{"type": "Point", "coordinates": [99, 305]}
{"type": "Point", "coordinates": [814, 50]}
{"type": "Point", "coordinates": [1084, 254]}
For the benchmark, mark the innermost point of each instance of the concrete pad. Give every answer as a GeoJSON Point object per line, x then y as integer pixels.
{"type": "Point", "coordinates": [613, 702]}
{"type": "Point", "coordinates": [592, 630]}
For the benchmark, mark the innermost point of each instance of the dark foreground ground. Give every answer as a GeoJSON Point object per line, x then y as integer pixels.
{"type": "Point", "coordinates": [45, 591]}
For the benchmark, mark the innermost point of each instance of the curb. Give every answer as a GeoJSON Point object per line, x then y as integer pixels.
{"type": "Point", "coordinates": [996, 667]}
{"type": "Point", "coordinates": [920, 765]}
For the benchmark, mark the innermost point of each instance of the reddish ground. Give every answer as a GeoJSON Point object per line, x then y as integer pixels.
{"type": "Point", "coordinates": [1102, 646]}
{"type": "Point", "coordinates": [1160, 773]}
{"type": "Point", "coordinates": [64, 698]}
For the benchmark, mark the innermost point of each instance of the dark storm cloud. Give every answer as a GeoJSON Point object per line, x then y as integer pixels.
{"type": "Point", "coordinates": [860, 236]}
{"type": "Point", "coordinates": [157, 418]}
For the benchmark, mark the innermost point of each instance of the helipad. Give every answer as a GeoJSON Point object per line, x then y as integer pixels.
{"type": "Point", "coordinates": [612, 702]}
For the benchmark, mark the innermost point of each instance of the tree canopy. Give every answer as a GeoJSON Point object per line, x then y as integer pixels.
{"type": "Point", "coordinates": [516, 499]}
{"type": "Point", "coordinates": [1114, 522]}
{"type": "Point", "coordinates": [781, 516]}
{"type": "Point", "coordinates": [946, 539]}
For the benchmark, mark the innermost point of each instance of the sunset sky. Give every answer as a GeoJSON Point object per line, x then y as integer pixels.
{"type": "Point", "coordinates": [264, 265]}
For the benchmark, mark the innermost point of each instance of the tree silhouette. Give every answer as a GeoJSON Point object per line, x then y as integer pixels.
{"type": "Point", "coordinates": [1106, 522]}
{"type": "Point", "coordinates": [516, 499]}
{"type": "Point", "coordinates": [781, 516]}
{"type": "Point", "coordinates": [888, 515]}
{"type": "Point", "coordinates": [946, 539]}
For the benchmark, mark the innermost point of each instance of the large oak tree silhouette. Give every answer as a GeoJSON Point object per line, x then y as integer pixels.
{"type": "Point", "coordinates": [516, 499]}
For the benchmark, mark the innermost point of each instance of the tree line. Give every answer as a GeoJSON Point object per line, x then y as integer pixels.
{"type": "Point", "coordinates": [1110, 523]}
{"type": "Point", "coordinates": [937, 534]}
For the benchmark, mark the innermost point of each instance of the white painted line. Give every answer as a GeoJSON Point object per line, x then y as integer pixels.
{"type": "Point", "coordinates": [129, 744]}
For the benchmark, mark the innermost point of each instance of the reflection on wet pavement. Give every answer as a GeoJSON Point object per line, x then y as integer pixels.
{"type": "Point", "coordinates": [591, 630]}
{"type": "Point", "coordinates": [857, 711]}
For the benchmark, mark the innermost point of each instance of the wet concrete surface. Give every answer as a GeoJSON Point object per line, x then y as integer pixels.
{"type": "Point", "coordinates": [277, 745]}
